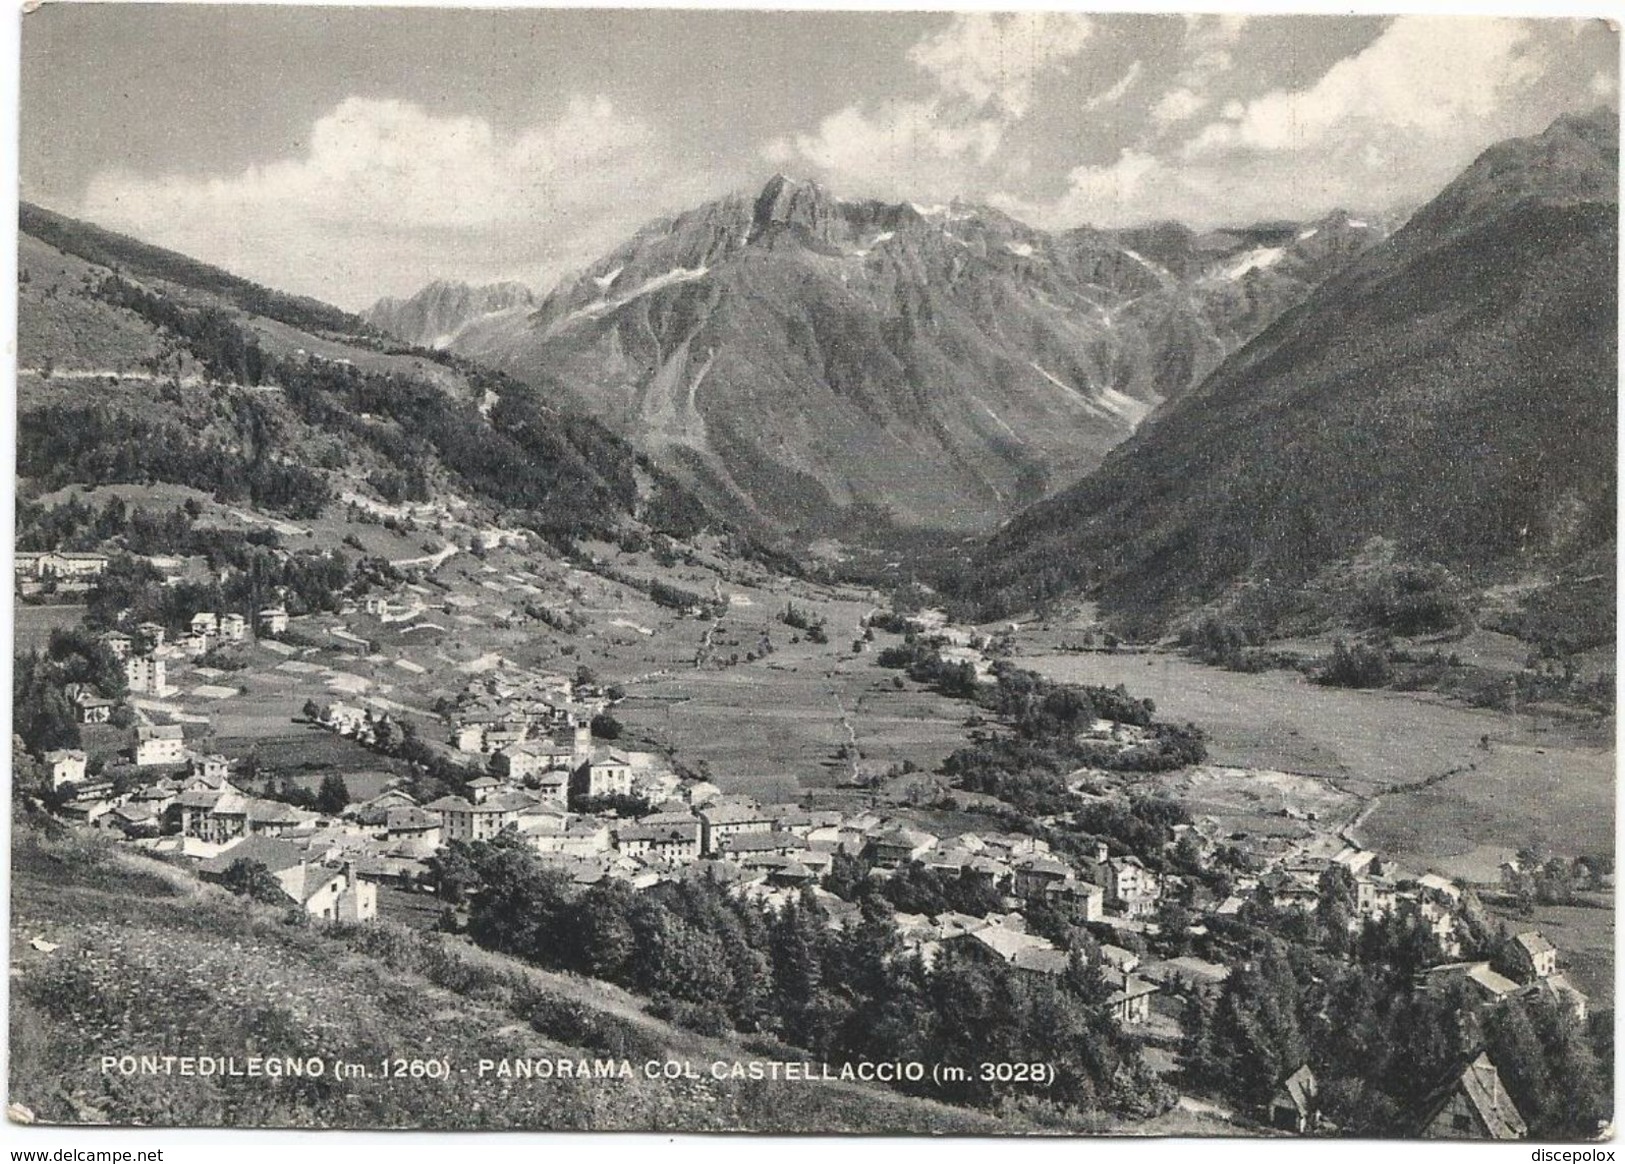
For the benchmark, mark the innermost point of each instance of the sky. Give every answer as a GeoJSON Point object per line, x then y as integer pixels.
{"type": "Point", "coordinates": [349, 153]}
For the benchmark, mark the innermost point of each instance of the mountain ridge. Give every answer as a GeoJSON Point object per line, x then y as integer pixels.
{"type": "Point", "coordinates": [799, 358]}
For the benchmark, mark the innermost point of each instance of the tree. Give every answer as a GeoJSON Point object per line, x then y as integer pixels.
{"type": "Point", "coordinates": [606, 727]}
{"type": "Point", "coordinates": [248, 878]}
{"type": "Point", "coordinates": [600, 939]}
{"type": "Point", "coordinates": [453, 873]}
{"type": "Point", "coordinates": [333, 795]}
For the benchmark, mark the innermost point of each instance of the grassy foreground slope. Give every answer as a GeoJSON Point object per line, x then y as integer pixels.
{"type": "Point", "coordinates": [150, 961]}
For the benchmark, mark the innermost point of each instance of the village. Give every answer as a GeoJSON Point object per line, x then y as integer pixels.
{"type": "Point", "coordinates": [520, 759]}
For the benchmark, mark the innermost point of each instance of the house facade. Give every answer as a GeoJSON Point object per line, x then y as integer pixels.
{"type": "Point", "coordinates": [146, 675]}
{"type": "Point", "coordinates": [162, 744]}
{"type": "Point", "coordinates": [67, 767]}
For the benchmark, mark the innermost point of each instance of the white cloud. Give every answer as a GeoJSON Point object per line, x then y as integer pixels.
{"type": "Point", "coordinates": [1384, 128]}
{"type": "Point", "coordinates": [1177, 105]}
{"type": "Point", "coordinates": [995, 58]}
{"type": "Point", "coordinates": [984, 69]}
{"type": "Point", "coordinates": [388, 195]}
{"type": "Point", "coordinates": [907, 147]}
{"type": "Point", "coordinates": [1208, 41]}
{"type": "Point", "coordinates": [1423, 75]}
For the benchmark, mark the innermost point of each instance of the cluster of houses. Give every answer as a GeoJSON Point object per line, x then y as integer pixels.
{"type": "Point", "coordinates": [60, 570]}
{"type": "Point", "coordinates": [146, 652]}
{"type": "Point", "coordinates": [1533, 972]}
{"type": "Point", "coordinates": [537, 774]}
{"type": "Point", "coordinates": [1294, 882]}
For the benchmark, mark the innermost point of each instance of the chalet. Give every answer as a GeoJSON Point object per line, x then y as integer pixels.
{"type": "Point", "coordinates": [1374, 897]}
{"type": "Point", "coordinates": [466, 820]}
{"type": "Point", "coordinates": [411, 823]}
{"type": "Point", "coordinates": [1130, 999]}
{"type": "Point", "coordinates": [1081, 901]}
{"type": "Point", "coordinates": [146, 675]}
{"type": "Point", "coordinates": [1130, 886]}
{"type": "Point", "coordinates": [273, 620]}
{"type": "Point", "coordinates": [481, 788]}
{"type": "Point", "coordinates": [1471, 1104]}
{"type": "Point", "coordinates": [152, 633]}
{"type": "Point", "coordinates": [720, 822]}
{"type": "Point", "coordinates": [133, 819]}
{"type": "Point", "coordinates": [1117, 958]}
{"type": "Point", "coordinates": [1487, 985]}
{"type": "Point", "coordinates": [743, 846]}
{"type": "Point", "coordinates": [1295, 1106]}
{"type": "Point", "coordinates": [1287, 892]}
{"type": "Point", "coordinates": [1041, 876]}
{"type": "Point", "coordinates": [226, 814]}
{"type": "Point", "coordinates": [326, 894]}
{"type": "Point", "coordinates": [194, 646]}
{"type": "Point", "coordinates": [90, 707]}
{"type": "Point", "coordinates": [213, 767]}
{"type": "Point", "coordinates": [578, 838]}
{"type": "Point", "coordinates": [162, 744]}
{"type": "Point", "coordinates": [1534, 956]}
{"type": "Point", "coordinates": [1000, 943]}
{"type": "Point", "coordinates": [59, 565]}
{"type": "Point", "coordinates": [700, 792]}
{"type": "Point", "coordinates": [665, 840]}
{"type": "Point", "coordinates": [529, 759]}
{"type": "Point", "coordinates": [469, 737]}
{"type": "Point", "coordinates": [118, 642]}
{"type": "Point", "coordinates": [375, 812]}
{"type": "Point", "coordinates": [898, 845]}
{"type": "Point", "coordinates": [157, 797]}
{"type": "Point", "coordinates": [504, 736]}
{"type": "Point", "coordinates": [801, 821]}
{"type": "Point", "coordinates": [783, 871]}
{"type": "Point", "coordinates": [86, 810]}
{"type": "Point", "coordinates": [609, 775]}
{"type": "Point", "coordinates": [1441, 924]}
{"type": "Point", "coordinates": [205, 624]}
{"type": "Point", "coordinates": [1357, 861]}
{"type": "Point", "coordinates": [1440, 885]}
{"type": "Point", "coordinates": [345, 719]}
{"type": "Point", "coordinates": [233, 628]}
{"type": "Point", "coordinates": [551, 788]}
{"type": "Point", "coordinates": [1564, 994]}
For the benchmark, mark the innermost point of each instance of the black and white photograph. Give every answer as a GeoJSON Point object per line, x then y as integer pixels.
{"type": "Point", "coordinates": [1029, 572]}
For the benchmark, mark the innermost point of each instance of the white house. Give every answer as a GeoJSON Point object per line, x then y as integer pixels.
{"type": "Point", "coordinates": [163, 744]}
{"type": "Point", "coordinates": [67, 767]}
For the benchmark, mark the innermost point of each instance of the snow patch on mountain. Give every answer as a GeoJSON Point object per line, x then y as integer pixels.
{"type": "Point", "coordinates": [601, 306]}
{"type": "Point", "coordinates": [1256, 259]}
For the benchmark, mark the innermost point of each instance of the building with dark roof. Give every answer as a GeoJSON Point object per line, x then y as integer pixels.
{"type": "Point", "coordinates": [1471, 1104]}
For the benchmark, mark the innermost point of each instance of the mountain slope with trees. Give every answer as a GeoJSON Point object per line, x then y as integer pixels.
{"type": "Point", "coordinates": [1453, 392]}
{"type": "Point", "coordinates": [140, 365]}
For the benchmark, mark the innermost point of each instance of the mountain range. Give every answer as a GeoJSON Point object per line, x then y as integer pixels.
{"type": "Point", "coordinates": [1453, 392]}
{"type": "Point", "coordinates": [798, 358]}
{"type": "Point", "coordinates": [1176, 420]}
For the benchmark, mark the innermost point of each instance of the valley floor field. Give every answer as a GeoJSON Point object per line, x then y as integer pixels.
{"type": "Point", "coordinates": [1557, 793]}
